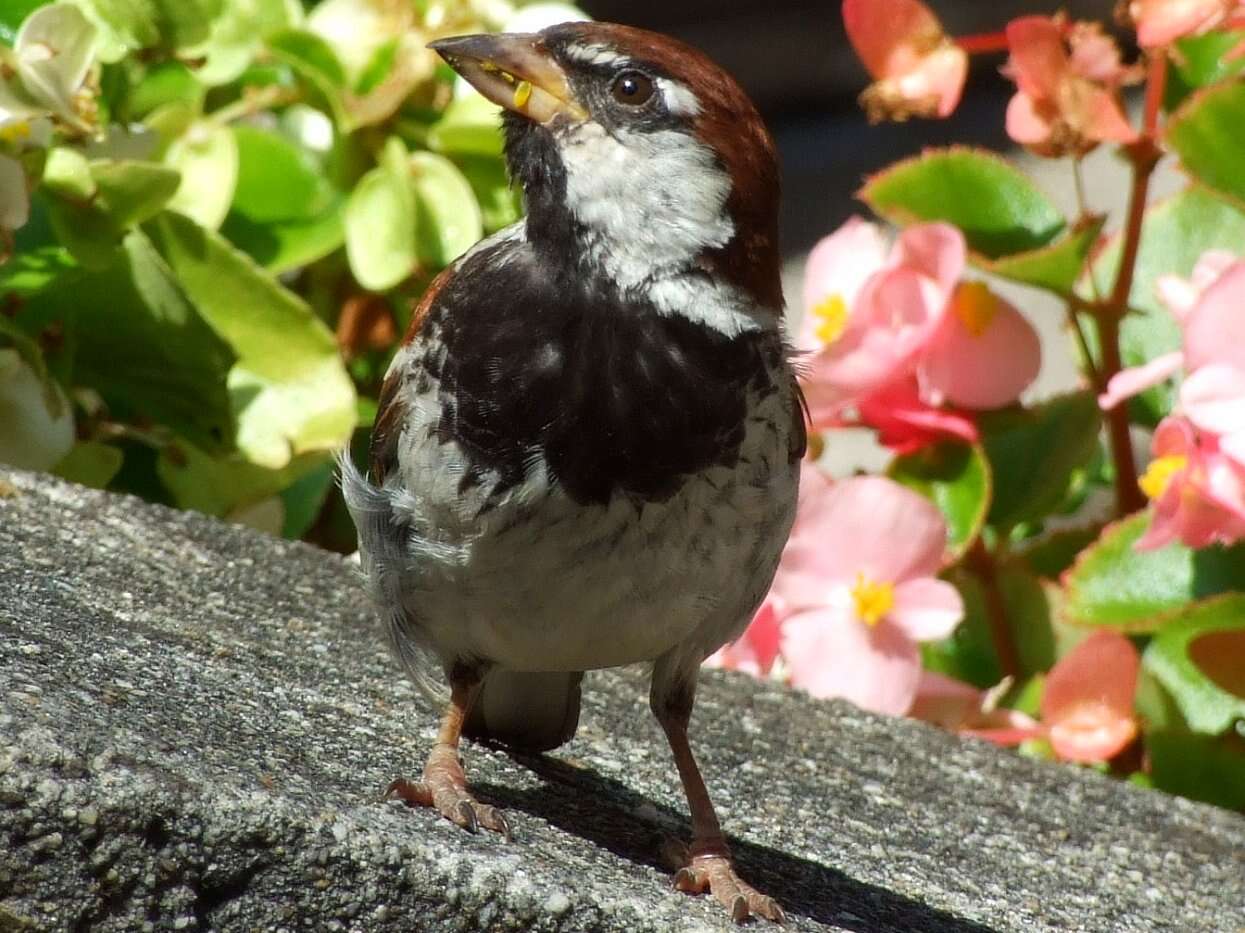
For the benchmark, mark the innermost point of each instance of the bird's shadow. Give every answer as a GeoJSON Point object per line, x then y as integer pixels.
{"type": "Point", "coordinates": [604, 812]}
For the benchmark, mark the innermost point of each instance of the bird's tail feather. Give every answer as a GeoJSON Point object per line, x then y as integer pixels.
{"type": "Point", "coordinates": [530, 711]}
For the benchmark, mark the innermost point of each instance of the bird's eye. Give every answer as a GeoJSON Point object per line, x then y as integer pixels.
{"type": "Point", "coordinates": [632, 88]}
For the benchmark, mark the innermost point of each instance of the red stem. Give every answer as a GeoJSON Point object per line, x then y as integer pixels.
{"type": "Point", "coordinates": [981, 561]}
{"type": "Point", "coordinates": [1144, 156]}
{"type": "Point", "coordinates": [983, 43]}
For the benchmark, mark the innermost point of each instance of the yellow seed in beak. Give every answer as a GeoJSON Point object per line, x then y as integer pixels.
{"type": "Point", "coordinates": [522, 93]}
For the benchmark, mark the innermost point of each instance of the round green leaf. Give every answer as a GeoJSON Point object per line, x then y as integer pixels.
{"type": "Point", "coordinates": [449, 221]}
{"type": "Point", "coordinates": [471, 125]}
{"type": "Point", "coordinates": [1115, 585]}
{"type": "Point", "coordinates": [1034, 454]}
{"type": "Point", "coordinates": [1199, 656]}
{"type": "Point", "coordinates": [1174, 235]}
{"type": "Point", "coordinates": [285, 212]}
{"type": "Point", "coordinates": [500, 205]}
{"type": "Point", "coordinates": [956, 478]}
{"type": "Point", "coordinates": [380, 228]}
{"type": "Point", "coordinates": [1209, 136]}
{"type": "Point", "coordinates": [999, 209]}
{"type": "Point", "coordinates": [207, 158]}
{"type": "Point", "coordinates": [91, 463]}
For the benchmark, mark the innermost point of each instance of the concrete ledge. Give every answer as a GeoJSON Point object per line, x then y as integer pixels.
{"type": "Point", "coordinates": [197, 721]}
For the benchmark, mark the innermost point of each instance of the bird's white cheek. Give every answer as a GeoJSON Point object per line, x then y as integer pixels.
{"type": "Point", "coordinates": [651, 203]}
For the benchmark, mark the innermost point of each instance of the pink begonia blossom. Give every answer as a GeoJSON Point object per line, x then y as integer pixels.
{"type": "Point", "coordinates": [898, 337]}
{"type": "Point", "coordinates": [916, 69]}
{"type": "Point", "coordinates": [1068, 83]}
{"type": "Point", "coordinates": [755, 651]}
{"type": "Point", "coordinates": [960, 707]}
{"type": "Point", "coordinates": [854, 593]}
{"type": "Point", "coordinates": [1197, 479]}
{"type": "Point", "coordinates": [1087, 703]}
{"type": "Point", "coordinates": [1198, 491]}
{"type": "Point", "coordinates": [1162, 22]}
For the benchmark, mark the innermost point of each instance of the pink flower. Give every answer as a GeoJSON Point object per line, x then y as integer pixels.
{"type": "Point", "coordinates": [899, 337]}
{"type": "Point", "coordinates": [1087, 704]}
{"type": "Point", "coordinates": [1162, 22]}
{"type": "Point", "coordinates": [756, 649]}
{"type": "Point", "coordinates": [916, 69]}
{"type": "Point", "coordinates": [1068, 82]}
{"type": "Point", "coordinates": [857, 580]}
{"type": "Point", "coordinates": [960, 707]}
{"type": "Point", "coordinates": [1212, 397]}
{"type": "Point", "coordinates": [1198, 491]}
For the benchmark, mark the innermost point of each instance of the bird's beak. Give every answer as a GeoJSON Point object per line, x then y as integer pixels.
{"type": "Point", "coordinates": [515, 71]}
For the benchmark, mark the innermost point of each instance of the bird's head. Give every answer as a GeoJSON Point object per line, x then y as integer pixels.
{"type": "Point", "coordinates": [641, 161]}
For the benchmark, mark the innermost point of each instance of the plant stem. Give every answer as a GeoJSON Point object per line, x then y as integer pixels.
{"type": "Point", "coordinates": [983, 565]}
{"type": "Point", "coordinates": [983, 43]}
{"type": "Point", "coordinates": [1144, 156]}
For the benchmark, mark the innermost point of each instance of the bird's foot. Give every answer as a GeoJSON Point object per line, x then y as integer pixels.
{"type": "Point", "coordinates": [711, 870]}
{"type": "Point", "coordinates": [444, 788]}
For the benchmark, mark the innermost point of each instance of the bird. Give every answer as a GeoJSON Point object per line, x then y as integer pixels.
{"type": "Point", "coordinates": [587, 446]}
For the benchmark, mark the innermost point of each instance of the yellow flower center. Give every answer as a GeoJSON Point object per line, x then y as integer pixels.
{"type": "Point", "coordinates": [830, 315]}
{"type": "Point", "coordinates": [873, 600]}
{"type": "Point", "coordinates": [976, 306]}
{"type": "Point", "coordinates": [1159, 473]}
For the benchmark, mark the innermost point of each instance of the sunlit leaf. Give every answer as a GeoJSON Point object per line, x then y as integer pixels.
{"type": "Point", "coordinates": [289, 388]}
{"type": "Point", "coordinates": [449, 221]}
{"type": "Point", "coordinates": [1116, 585]}
{"type": "Point", "coordinates": [206, 155]}
{"type": "Point", "coordinates": [999, 209]}
{"type": "Point", "coordinates": [381, 224]}
{"type": "Point", "coordinates": [956, 478]}
{"type": "Point", "coordinates": [1199, 656]}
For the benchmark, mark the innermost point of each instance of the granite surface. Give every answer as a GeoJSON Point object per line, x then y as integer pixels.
{"type": "Point", "coordinates": [197, 721]}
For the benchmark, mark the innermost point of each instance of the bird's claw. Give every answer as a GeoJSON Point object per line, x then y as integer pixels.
{"type": "Point", "coordinates": [716, 874]}
{"type": "Point", "coordinates": [444, 789]}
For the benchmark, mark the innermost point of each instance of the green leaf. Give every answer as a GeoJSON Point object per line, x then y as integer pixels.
{"type": "Point", "coordinates": [29, 271]}
{"type": "Point", "coordinates": [1034, 454]}
{"type": "Point", "coordinates": [235, 37]}
{"type": "Point", "coordinates": [448, 215]}
{"type": "Point", "coordinates": [1114, 584]}
{"type": "Point", "coordinates": [998, 208]}
{"type": "Point", "coordinates": [1200, 61]}
{"type": "Point", "coordinates": [130, 25]}
{"type": "Point", "coordinates": [285, 212]}
{"type": "Point", "coordinates": [206, 155]}
{"type": "Point", "coordinates": [316, 62]}
{"type": "Point", "coordinates": [1199, 656]}
{"type": "Point", "coordinates": [166, 83]}
{"type": "Point", "coordinates": [1056, 267]}
{"type": "Point", "coordinates": [380, 224]}
{"type": "Point", "coordinates": [90, 463]}
{"type": "Point", "coordinates": [131, 335]}
{"type": "Point", "coordinates": [470, 126]}
{"type": "Point", "coordinates": [290, 391]}
{"type": "Point", "coordinates": [12, 13]}
{"type": "Point", "coordinates": [1209, 136]}
{"type": "Point", "coordinates": [966, 654]}
{"type": "Point", "coordinates": [1201, 767]}
{"type": "Point", "coordinates": [122, 193]}
{"type": "Point", "coordinates": [1174, 235]}
{"type": "Point", "coordinates": [956, 478]}
{"type": "Point", "coordinates": [500, 205]}
{"type": "Point", "coordinates": [304, 498]}
{"type": "Point", "coordinates": [1053, 553]}
{"type": "Point", "coordinates": [221, 485]}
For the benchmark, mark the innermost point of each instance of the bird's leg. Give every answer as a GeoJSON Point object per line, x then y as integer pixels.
{"type": "Point", "coordinates": [709, 866]}
{"type": "Point", "coordinates": [444, 785]}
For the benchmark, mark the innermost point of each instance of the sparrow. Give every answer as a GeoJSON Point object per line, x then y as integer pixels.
{"type": "Point", "coordinates": [586, 452]}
